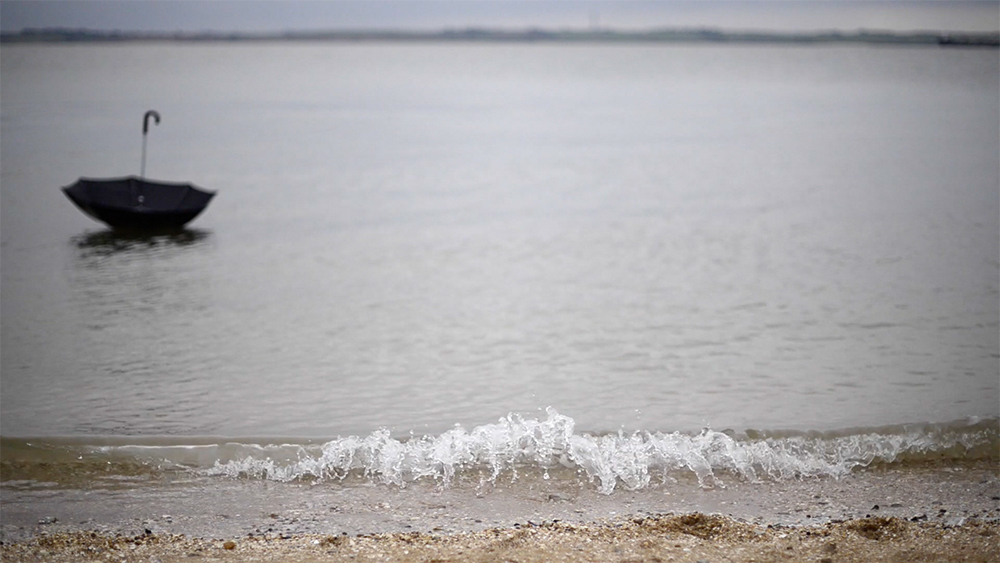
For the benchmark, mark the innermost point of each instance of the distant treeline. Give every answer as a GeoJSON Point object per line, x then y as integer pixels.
{"type": "Point", "coordinates": [63, 35]}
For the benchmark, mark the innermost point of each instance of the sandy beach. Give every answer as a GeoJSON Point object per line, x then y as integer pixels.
{"type": "Point", "coordinates": [690, 537]}
{"type": "Point", "coordinates": [930, 512]}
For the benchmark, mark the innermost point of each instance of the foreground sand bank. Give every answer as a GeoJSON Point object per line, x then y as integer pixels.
{"type": "Point", "coordinates": [691, 537]}
{"type": "Point", "coordinates": [943, 511]}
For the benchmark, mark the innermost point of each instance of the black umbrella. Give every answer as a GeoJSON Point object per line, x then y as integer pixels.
{"type": "Point", "coordinates": [134, 203]}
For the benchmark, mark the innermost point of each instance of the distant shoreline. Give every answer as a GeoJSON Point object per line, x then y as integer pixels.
{"type": "Point", "coordinates": [486, 35]}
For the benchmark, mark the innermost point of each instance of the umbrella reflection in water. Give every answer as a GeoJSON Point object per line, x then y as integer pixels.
{"type": "Point", "coordinates": [104, 243]}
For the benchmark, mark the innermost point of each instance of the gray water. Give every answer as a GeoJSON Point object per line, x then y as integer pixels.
{"type": "Point", "coordinates": [416, 236]}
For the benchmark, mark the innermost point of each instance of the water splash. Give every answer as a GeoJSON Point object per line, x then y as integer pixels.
{"type": "Point", "coordinates": [629, 460]}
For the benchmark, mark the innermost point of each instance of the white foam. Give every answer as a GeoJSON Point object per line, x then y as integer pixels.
{"type": "Point", "coordinates": [630, 460]}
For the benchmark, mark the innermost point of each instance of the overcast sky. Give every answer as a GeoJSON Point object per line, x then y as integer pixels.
{"type": "Point", "coordinates": [280, 15]}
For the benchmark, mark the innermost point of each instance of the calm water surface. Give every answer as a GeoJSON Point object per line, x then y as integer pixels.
{"type": "Point", "coordinates": [414, 236]}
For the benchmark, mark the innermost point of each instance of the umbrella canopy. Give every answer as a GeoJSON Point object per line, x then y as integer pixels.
{"type": "Point", "coordinates": [138, 204]}
{"type": "Point", "coordinates": [135, 203]}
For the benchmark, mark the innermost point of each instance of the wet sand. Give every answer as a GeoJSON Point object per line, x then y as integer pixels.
{"type": "Point", "coordinates": [942, 512]}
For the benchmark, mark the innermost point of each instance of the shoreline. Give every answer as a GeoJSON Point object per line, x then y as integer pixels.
{"type": "Point", "coordinates": [212, 507]}
{"type": "Point", "coordinates": [943, 511]}
{"type": "Point", "coordinates": [476, 35]}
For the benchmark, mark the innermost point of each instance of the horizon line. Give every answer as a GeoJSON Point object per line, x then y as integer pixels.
{"type": "Point", "coordinates": [507, 33]}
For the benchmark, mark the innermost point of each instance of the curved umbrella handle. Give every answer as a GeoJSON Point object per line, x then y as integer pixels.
{"type": "Point", "coordinates": [145, 120]}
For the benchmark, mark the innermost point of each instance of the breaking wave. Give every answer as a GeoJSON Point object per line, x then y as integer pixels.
{"type": "Point", "coordinates": [629, 460]}
{"type": "Point", "coordinates": [514, 447]}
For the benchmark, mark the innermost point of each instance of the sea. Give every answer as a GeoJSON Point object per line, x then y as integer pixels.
{"type": "Point", "coordinates": [454, 264]}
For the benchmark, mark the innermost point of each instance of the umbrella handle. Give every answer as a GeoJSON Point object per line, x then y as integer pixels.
{"type": "Point", "coordinates": [145, 129]}
{"type": "Point", "coordinates": [145, 120]}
